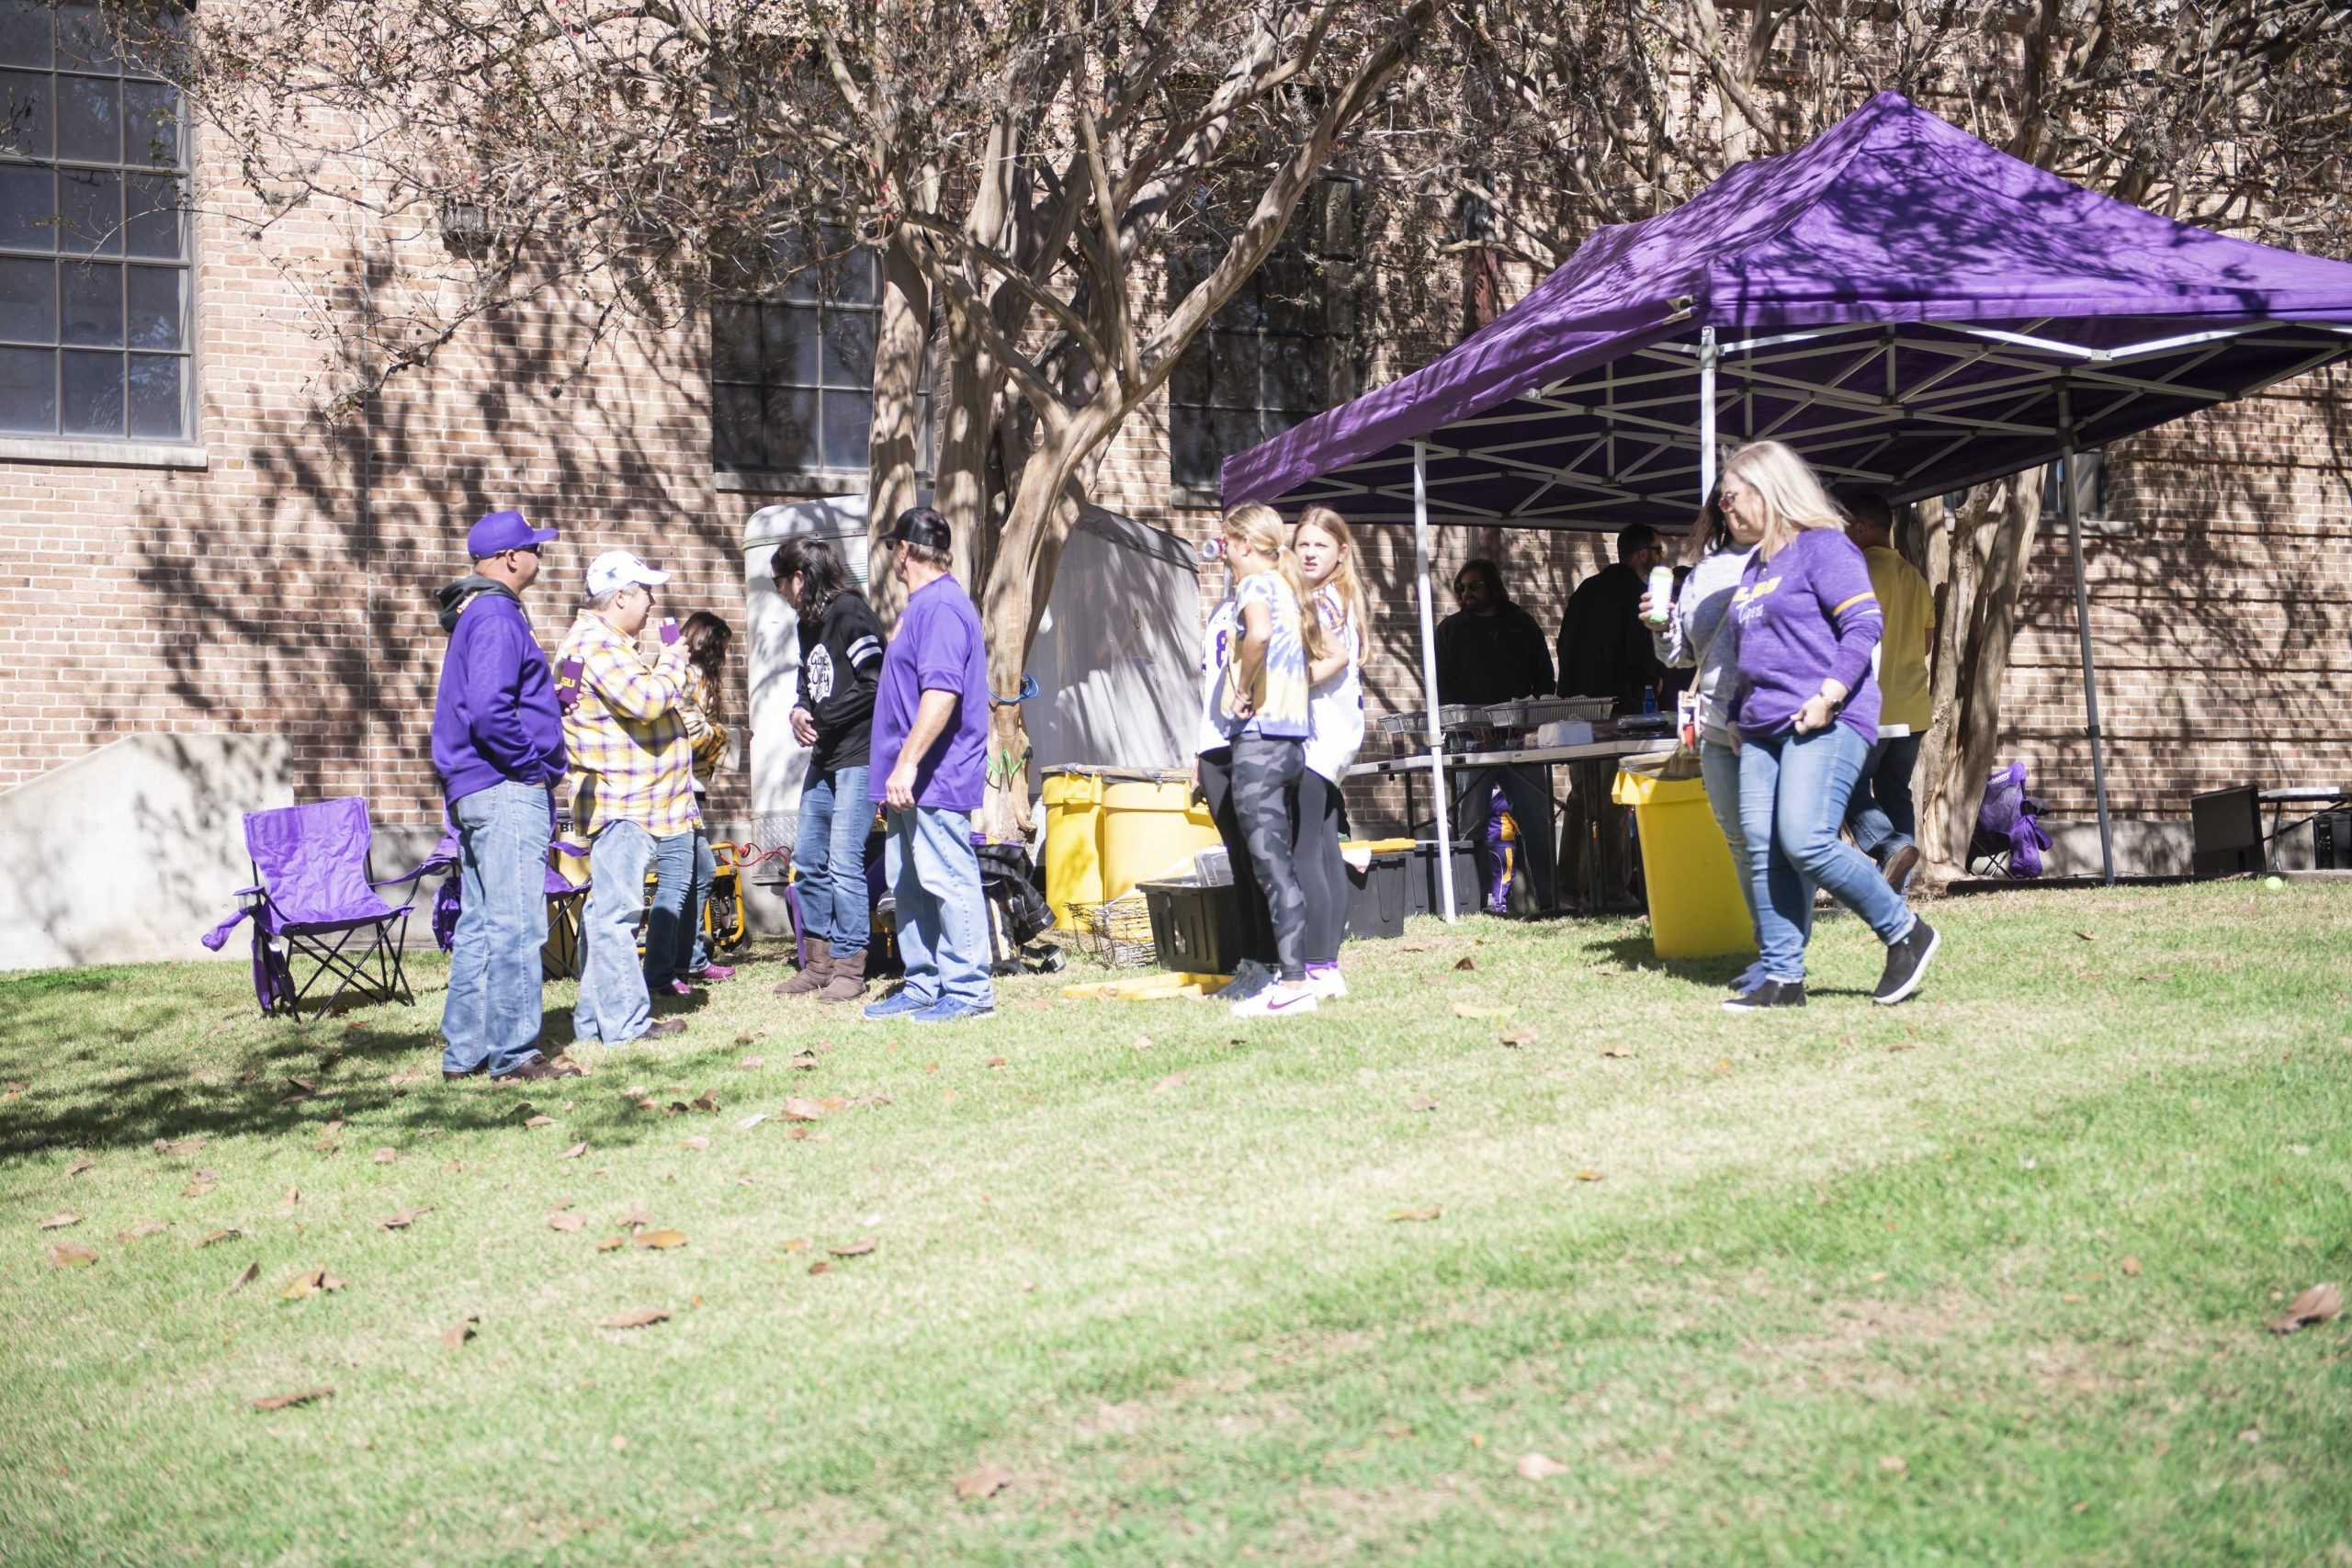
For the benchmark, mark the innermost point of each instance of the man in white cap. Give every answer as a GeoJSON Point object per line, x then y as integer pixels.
{"type": "Point", "coordinates": [632, 792]}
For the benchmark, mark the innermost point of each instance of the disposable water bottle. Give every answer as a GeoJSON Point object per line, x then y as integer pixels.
{"type": "Point", "coordinates": [1649, 701]}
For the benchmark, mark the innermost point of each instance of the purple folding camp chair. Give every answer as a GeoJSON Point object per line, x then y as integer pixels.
{"type": "Point", "coordinates": [313, 900]}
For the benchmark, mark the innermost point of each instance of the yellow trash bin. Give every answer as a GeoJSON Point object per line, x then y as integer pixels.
{"type": "Point", "coordinates": [1073, 842]}
{"type": "Point", "coordinates": [1696, 910]}
{"type": "Point", "coordinates": [1151, 830]}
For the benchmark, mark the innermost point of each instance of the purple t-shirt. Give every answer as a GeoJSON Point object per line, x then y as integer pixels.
{"type": "Point", "coordinates": [1806, 616]}
{"type": "Point", "coordinates": [936, 647]}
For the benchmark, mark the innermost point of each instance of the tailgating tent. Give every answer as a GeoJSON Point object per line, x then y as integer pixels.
{"type": "Point", "coordinates": [1911, 309]}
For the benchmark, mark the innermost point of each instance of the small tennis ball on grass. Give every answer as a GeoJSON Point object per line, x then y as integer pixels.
{"type": "Point", "coordinates": [2274, 883]}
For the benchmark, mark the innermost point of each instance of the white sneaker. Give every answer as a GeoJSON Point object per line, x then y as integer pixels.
{"type": "Point", "coordinates": [1329, 985]}
{"type": "Point", "coordinates": [1281, 1000]}
{"type": "Point", "coordinates": [1249, 977]}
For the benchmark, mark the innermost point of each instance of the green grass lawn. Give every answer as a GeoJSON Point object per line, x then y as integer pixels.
{"type": "Point", "coordinates": [1981, 1279]}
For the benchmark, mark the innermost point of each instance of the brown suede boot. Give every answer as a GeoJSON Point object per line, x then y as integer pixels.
{"type": "Point", "coordinates": [813, 974]}
{"type": "Point", "coordinates": [848, 982]}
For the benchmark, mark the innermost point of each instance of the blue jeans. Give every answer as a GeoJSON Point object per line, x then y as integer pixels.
{"type": "Point", "coordinates": [1792, 791]}
{"type": "Point", "coordinates": [836, 814]}
{"type": "Point", "coordinates": [692, 943]}
{"type": "Point", "coordinates": [1881, 814]}
{"type": "Point", "coordinates": [1719, 769]}
{"type": "Point", "coordinates": [491, 1015]}
{"type": "Point", "coordinates": [668, 939]}
{"type": "Point", "coordinates": [943, 918]}
{"type": "Point", "coordinates": [614, 1006]}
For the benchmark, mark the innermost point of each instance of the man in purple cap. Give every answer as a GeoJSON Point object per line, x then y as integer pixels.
{"type": "Point", "coordinates": [931, 730]}
{"type": "Point", "coordinates": [498, 746]}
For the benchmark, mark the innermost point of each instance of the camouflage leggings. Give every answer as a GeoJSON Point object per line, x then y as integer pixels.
{"type": "Point", "coordinates": [1265, 797]}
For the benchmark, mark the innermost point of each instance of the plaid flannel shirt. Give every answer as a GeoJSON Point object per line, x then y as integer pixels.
{"type": "Point", "coordinates": [626, 734]}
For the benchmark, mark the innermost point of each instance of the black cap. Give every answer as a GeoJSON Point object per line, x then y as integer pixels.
{"type": "Point", "coordinates": [921, 526]}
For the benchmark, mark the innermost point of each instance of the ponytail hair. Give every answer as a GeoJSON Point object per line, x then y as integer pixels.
{"type": "Point", "coordinates": [1260, 529]}
{"type": "Point", "coordinates": [1343, 583]}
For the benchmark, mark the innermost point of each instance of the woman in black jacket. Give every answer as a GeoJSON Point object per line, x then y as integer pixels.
{"type": "Point", "coordinates": [840, 656]}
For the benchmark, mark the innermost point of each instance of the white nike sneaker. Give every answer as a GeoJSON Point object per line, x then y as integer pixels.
{"type": "Point", "coordinates": [1249, 977]}
{"type": "Point", "coordinates": [1329, 984]}
{"type": "Point", "coordinates": [1281, 1000]}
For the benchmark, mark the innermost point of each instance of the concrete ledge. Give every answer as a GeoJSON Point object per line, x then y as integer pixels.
{"type": "Point", "coordinates": [103, 454]}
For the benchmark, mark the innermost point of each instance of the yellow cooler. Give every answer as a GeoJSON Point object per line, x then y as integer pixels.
{"type": "Point", "coordinates": [1150, 831]}
{"type": "Point", "coordinates": [1696, 910]}
{"type": "Point", "coordinates": [1073, 841]}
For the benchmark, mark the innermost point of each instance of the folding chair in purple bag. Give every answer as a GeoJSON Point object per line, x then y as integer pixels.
{"type": "Point", "coordinates": [315, 901]}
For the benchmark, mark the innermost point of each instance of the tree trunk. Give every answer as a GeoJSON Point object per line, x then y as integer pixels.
{"type": "Point", "coordinates": [902, 339]}
{"type": "Point", "coordinates": [1974, 560]}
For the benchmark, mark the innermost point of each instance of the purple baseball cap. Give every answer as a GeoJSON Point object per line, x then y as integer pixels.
{"type": "Point", "coordinates": [504, 531]}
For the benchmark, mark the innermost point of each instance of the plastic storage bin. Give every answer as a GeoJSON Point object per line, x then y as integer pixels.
{"type": "Point", "coordinates": [1194, 929]}
{"type": "Point", "coordinates": [1377, 895]}
{"type": "Point", "coordinates": [1421, 891]}
{"type": "Point", "coordinates": [1696, 910]}
{"type": "Point", "coordinates": [1150, 831]}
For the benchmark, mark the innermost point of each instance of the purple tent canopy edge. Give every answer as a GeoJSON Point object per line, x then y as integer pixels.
{"type": "Point", "coordinates": [1898, 244]}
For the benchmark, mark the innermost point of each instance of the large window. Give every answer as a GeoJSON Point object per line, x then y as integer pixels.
{"type": "Point", "coordinates": [95, 332]}
{"type": "Point", "coordinates": [1281, 350]}
{"type": "Point", "coordinates": [792, 369]}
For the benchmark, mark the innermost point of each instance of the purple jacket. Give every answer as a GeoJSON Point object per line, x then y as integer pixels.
{"type": "Point", "coordinates": [495, 718]}
{"type": "Point", "coordinates": [1806, 614]}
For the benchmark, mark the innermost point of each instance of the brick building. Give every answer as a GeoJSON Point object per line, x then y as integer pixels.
{"type": "Point", "coordinates": [192, 546]}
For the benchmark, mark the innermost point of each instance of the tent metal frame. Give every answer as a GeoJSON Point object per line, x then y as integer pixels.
{"type": "Point", "coordinates": [1649, 446]}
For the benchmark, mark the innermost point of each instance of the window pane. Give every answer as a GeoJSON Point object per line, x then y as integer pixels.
{"type": "Point", "coordinates": [1233, 369]}
{"type": "Point", "coordinates": [89, 205]}
{"type": "Point", "coordinates": [27, 300]}
{"type": "Point", "coordinates": [83, 42]}
{"type": "Point", "coordinates": [1192, 455]}
{"type": "Point", "coordinates": [789, 416]}
{"type": "Point", "coordinates": [93, 313]}
{"type": "Point", "coordinates": [1190, 383]}
{"type": "Point", "coordinates": [1294, 376]}
{"type": "Point", "coordinates": [24, 33]}
{"type": "Point", "coordinates": [735, 428]}
{"type": "Point", "coordinates": [157, 226]}
{"type": "Point", "coordinates": [1244, 311]}
{"type": "Point", "coordinates": [849, 349]}
{"type": "Point", "coordinates": [156, 302]}
{"type": "Point", "coordinates": [854, 278]}
{"type": "Point", "coordinates": [25, 115]}
{"type": "Point", "coordinates": [734, 342]}
{"type": "Point", "coordinates": [152, 133]}
{"type": "Point", "coordinates": [28, 389]}
{"type": "Point", "coordinates": [1293, 295]}
{"type": "Point", "coordinates": [27, 209]}
{"type": "Point", "coordinates": [160, 34]}
{"type": "Point", "coordinates": [158, 407]}
{"type": "Point", "coordinates": [1233, 430]}
{"type": "Point", "coordinates": [848, 417]}
{"type": "Point", "coordinates": [791, 352]}
{"type": "Point", "coordinates": [89, 120]}
{"type": "Point", "coordinates": [93, 393]}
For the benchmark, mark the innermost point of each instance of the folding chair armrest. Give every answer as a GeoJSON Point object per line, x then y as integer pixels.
{"type": "Point", "coordinates": [580, 849]}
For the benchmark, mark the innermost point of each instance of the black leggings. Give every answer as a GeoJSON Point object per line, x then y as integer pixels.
{"type": "Point", "coordinates": [1322, 874]}
{"type": "Point", "coordinates": [1255, 939]}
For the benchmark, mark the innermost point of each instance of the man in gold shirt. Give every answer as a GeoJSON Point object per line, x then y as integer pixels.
{"type": "Point", "coordinates": [1880, 812]}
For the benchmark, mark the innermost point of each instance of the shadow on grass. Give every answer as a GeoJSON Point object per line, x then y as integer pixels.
{"type": "Point", "coordinates": [1635, 952]}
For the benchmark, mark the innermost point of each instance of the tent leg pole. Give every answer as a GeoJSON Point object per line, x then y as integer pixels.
{"type": "Point", "coordinates": [2071, 507]}
{"type": "Point", "coordinates": [1708, 355]}
{"type": "Point", "coordinates": [1429, 678]}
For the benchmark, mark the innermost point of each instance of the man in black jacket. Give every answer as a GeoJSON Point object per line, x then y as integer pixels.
{"type": "Point", "coordinates": [1490, 651]}
{"type": "Point", "coordinates": [1605, 651]}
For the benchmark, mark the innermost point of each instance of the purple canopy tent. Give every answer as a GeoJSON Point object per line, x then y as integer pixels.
{"type": "Point", "coordinates": [1911, 309]}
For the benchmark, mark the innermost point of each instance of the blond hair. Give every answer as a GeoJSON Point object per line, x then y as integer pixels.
{"type": "Point", "coordinates": [1793, 497]}
{"type": "Point", "coordinates": [1259, 528]}
{"type": "Point", "coordinates": [1344, 581]}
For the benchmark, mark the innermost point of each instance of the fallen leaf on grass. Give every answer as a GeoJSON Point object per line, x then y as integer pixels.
{"type": "Point", "coordinates": [999, 1061]}
{"type": "Point", "coordinates": [541, 1121]}
{"type": "Point", "coordinates": [58, 1222]}
{"type": "Point", "coordinates": [747, 1038]}
{"type": "Point", "coordinates": [612, 1244]}
{"type": "Point", "coordinates": [287, 1400]}
{"type": "Point", "coordinates": [1894, 1464]}
{"type": "Point", "coordinates": [144, 1227]}
{"type": "Point", "coordinates": [455, 1336]}
{"type": "Point", "coordinates": [2131, 1267]}
{"type": "Point", "coordinates": [183, 1147]}
{"type": "Point", "coordinates": [1472, 1009]}
{"type": "Point", "coordinates": [707, 1101]}
{"type": "Point", "coordinates": [985, 1482]}
{"type": "Point", "coordinates": [645, 1317]}
{"type": "Point", "coordinates": [198, 1189]}
{"type": "Point", "coordinates": [796, 1244]}
{"type": "Point", "coordinates": [696, 1142]}
{"type": "Point", "coordinates": [821, 1267]}
{"type": "Point", "coordinates": [660, 1240]}
{"type": "Point", "coordinates": [310, 1283]}
{"type": "Point", "coordinates": [2086, 936]}
{"type": "Point", "coordinates": [752, 1064]}
{"type": "Point", "coordinates": [567, 1223]}
{"type": "Point", "coordinates": [1588, 1176]}
{"type": "Point", "coordinates": [635, 1216]}
{"type": "Point", "coordinates": [1613, 1051]}
{"type": "Point", "coordinates": [2250, 1435]}
{"type": "Point", "coordinates": [1172, 1080]}
{"type": "Point", "coordinates": [796, 1108]}
{"type": "Point", "coordinates": [1722, 1065]}
{"type": "Point", "coordinates": [1540, 1467]}
{"type": "Point", "coordinates": [858, 1248]}
{"type": "Point", "coordinates": [251, 1272]}
{"type": "Point", "coordinates": [1518, 1038]}
{"type": "Point", "coordinates": [2318, 1304]}
{"type": "Point", "coordinates": [753, 1120]}
{"type": "Point", "coordinates": [79, 1166]}
{"type": "Point", "coordinates": [71, 1255]}
{"type": "Point", "coordinates": [404, 1219]}
{"type": "Point", "coordinates": [1421, 1103]}
{"type": "Point", "coordinates": [805, 1062]}
{"type": "Point", "coordinates": [385, 1156]}
{"type": "Point", "coordinates": [403, 1080]}
{"type": "Point", "coordinates": [219, 1236]}
{"type": "Point", "coordinates": [574, 1152]}
{"type": "Point", "coordinates": [1397, 1215]}
{"type": "Point", "coordinates": [293, 1196]}
{"type": "Point", "coordinates": [1465, 964]}
{"type": "Point", "coordinates": [299, 1088]}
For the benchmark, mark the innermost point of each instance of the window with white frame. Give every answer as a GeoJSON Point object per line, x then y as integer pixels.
{"type": "Point", "coordinates": [792, 369]}
{"type": "Point", "coordinates": [96, 335]}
